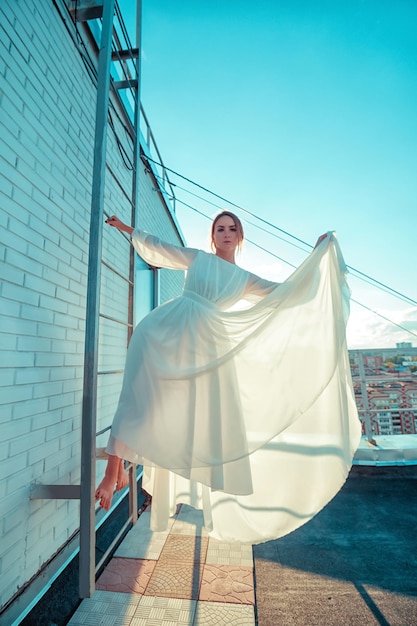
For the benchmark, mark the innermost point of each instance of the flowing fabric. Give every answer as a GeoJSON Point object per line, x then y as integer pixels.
{"type": "Point", "coordinates": [247, 414]}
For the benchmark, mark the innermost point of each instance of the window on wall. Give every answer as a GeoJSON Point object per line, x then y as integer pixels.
{"type": "Point", "coordinates": [146, 289]}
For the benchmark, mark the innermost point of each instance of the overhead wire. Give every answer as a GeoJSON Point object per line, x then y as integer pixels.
{"type": "Point", "coordinates": [363, 276]}
{"type": "Point", "coordinates": [257, 245]}
{"type": "Point", "coordinates": [218, 206]}
{"type": "Point", "coordinates": [275, 227]}
{"type": "Point", "coordinates": [237, 206]}
{"type": "Point", "coordinates": [294, 266]}
{"type": "Point", "coordinates": [387, 319]}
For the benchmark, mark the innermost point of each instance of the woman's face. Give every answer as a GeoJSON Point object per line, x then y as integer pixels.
{"type": "Point", "coordinates": [225, 235]}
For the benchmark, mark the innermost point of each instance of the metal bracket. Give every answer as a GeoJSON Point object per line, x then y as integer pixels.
{"type": "Point", "coordinates": [55, 492]}
{"type": "Point", "coordinates": [125, 84]}
{"type": "Point", "coordinates": [84, 10]}
{"type": "Point", "coordinates": [125, 55]}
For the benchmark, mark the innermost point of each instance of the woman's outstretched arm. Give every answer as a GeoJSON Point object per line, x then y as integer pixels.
{"type": "Point", "coordinates": [114, 221]}
{"type": "Point", "coordinates": [155, 251]}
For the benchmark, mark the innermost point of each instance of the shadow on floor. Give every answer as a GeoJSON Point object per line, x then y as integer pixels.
{"type": "Point", "coordinates": [358, 555]}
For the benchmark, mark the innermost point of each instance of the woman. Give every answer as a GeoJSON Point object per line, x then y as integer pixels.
{"type": "Point", "coordinates": [248, 414]}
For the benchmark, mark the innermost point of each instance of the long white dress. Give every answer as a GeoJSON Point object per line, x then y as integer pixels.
{"type": "Point", "coordinates": [247, 414]}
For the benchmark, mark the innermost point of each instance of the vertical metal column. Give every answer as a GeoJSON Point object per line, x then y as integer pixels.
{"type": "Point", "coordinates": [136, 160]}
{"type": "Point", "coordinates": [89, 405]}
{"type": "Point", "coordinates": [133, 493]}
{"type": "Point", "coordinates": [364, 393]}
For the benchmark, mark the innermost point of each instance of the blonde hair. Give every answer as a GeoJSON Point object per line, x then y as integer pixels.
{"type": "Point", "coordinates": [238, 224]}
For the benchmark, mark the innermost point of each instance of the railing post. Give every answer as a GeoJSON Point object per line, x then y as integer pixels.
{"type": "Point", "coordinates": [364, 393]}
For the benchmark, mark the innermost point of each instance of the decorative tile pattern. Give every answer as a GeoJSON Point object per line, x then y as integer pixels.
{"type": "Point", "coordinates": [175, 580]}
{"type": "Point", "coordinates": [126, 575]}
{"type": "Point", "coordinates": [221, 553]}
{"type": "Point", "coordinates": [222, 614]}
{"type": "Point", "coordinates": [164, 612]}
{"type": "Point", "coordinates": [184, 548]}
{"type": "Point", "coordinates": [106, 608]}
{"type": "Point", "coordinates": [227, 583]}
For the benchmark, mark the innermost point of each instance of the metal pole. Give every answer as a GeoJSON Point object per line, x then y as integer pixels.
{"type": "Point", "coordinates": [136, 162]}
{"type": "Point", "coordinates": [89, 406]}
{"type": "Point", "coordinates": [133, 490]}
{"type": "Point", "coordinates": [364, 393]}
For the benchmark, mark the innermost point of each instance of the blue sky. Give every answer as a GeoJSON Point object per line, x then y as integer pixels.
{"type": "Point", "coordinates": [304, 113]}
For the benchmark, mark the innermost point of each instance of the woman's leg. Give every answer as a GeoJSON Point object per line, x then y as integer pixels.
{"type": "Point", "coordinates": [104, 491]}
{"type": "Point", "coordinates": [122, 477]}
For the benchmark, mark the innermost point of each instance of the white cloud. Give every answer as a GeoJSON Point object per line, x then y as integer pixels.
{"type": "Point", "coordinates": [368, 330]}
{"type": "Point", "coordinates": [365, 328]}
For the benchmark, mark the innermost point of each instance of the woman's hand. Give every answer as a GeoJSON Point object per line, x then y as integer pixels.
{"type": "Point", "coordinates": [114, 221]}
{"type": "Point", "coordinates": [320, 239]}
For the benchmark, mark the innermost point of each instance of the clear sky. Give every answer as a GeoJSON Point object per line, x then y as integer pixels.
{"type": "Point", "coordinates": [304, 113]}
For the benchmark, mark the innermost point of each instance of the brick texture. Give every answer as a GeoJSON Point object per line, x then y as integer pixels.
{"type": "Point", "coordinates": [47, 112]}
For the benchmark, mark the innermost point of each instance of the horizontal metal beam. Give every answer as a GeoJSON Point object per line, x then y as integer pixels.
{"type": "Point", "coordinates": [114, 319]}
{"type": "Point", "coordinates": [125, 84]}
{"type": "Point", "coordinates": [116, 273]}
{"type": "Point", "coordinates": [55, 492]}
{"type": "Point", "coordinates": [122, 55]}
{"type": "Point", "coordinates": [84, 10]}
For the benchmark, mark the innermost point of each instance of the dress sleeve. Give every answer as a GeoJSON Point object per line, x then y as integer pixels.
{"type": "Point", "coordinates": [257, 287]}
{"type": "Point", "coordinates": [160, 253]}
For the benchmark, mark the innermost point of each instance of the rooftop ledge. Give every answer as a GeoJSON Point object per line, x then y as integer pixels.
{"type": "Point", "coordinates": [389, 450]}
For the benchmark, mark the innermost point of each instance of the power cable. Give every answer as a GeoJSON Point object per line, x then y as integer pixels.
{"type": "Point", "coordinates": [217, 206]}
{"type": "Point", "coordinates": [387, 319]}
{"type": "Point", "coordinates": [195, 195]}
{"type": "Point", "coordinates": [216, 195]}
{"type": "Point", "coordinates": [271, 225]}
{"type": "Point", "coordinates": [246, 239]}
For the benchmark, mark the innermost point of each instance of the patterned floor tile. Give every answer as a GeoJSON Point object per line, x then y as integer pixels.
{"type": "Point", "coordinates": [106, 608]}
{"type": "Point", "coordinates": [220, 553]}
{"type": "Point", "coordinates": [184, 548]}
{"type": "Point", "coordinates": [126, 575]}
{"type": "Point", "coordinates": [164, 612]}
{"type": "Point", "coordinates": [175, 580]}
{"type": "Point", "coordinates": [141, 542]}
{"type": "Point", "coordinates": [189, 521]}
{"type": "Point", "coordinates": [227, 583]}
{"type": "Point", "coordinates": [222, 614]}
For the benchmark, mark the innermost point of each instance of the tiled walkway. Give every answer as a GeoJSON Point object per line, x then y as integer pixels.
{"type": "Point", "coordinates": [176, 577]}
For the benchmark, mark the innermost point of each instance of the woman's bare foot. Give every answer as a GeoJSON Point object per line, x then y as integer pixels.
{"type": "Point", "coordinates": [104, 492]}
{"type": "Point", "coordinates": [122, 477]}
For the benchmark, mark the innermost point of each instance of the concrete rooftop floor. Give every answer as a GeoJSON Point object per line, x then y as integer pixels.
{"type": "Point", "coordinates": [354, 564]}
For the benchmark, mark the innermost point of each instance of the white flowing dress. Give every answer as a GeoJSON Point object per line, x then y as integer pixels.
{"type": "Point", "coordinates": [246, 414]}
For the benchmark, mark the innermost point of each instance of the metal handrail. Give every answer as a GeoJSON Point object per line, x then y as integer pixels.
{"type": "Point", "coordinates": [114, 319]}
{"type": "Point", "coordinates": [109, 267]}
{"type": "Point", "coordinates": [152, 145]}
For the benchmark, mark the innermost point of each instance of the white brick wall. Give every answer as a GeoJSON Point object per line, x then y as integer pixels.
{"type": "Point", "coordinates": [47, 107]}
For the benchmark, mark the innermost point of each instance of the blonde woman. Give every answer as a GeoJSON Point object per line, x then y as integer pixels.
{"type": "Point", "coordinates": [246, 414]}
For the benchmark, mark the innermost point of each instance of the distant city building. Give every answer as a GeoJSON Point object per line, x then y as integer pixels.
{"type": "Point", "coordinates": [391, 388]}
